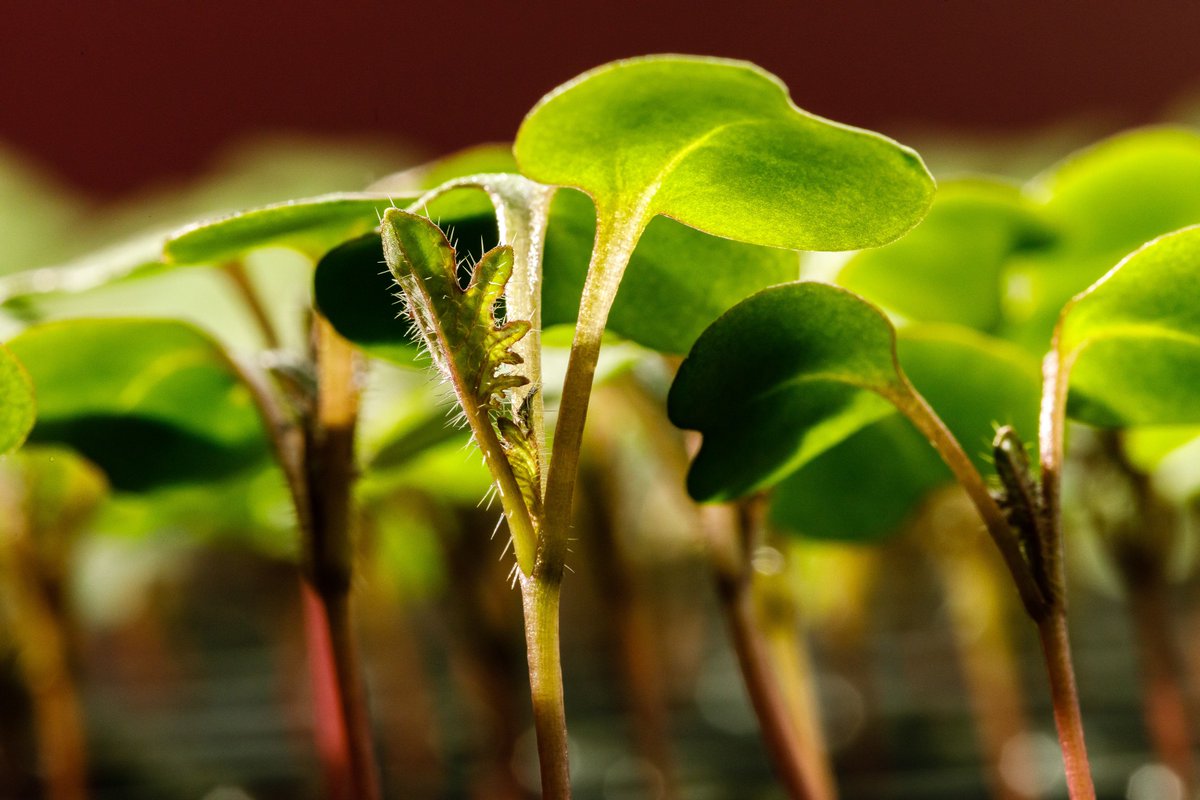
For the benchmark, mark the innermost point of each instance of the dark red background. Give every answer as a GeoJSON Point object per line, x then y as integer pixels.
{"type": "Point", "coordinates": [114, 94]}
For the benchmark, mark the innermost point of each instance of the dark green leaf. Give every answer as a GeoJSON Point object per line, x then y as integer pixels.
{"type": "Point", "coordinates": [151, 402]}
{"type": "Point", "coordinates": [779, 379]}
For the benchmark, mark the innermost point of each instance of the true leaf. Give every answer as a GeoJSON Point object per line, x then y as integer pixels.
{"type": "Point", "coordinates": [719, 146]}
{"type": "Point", "coordinates": [1132, 341]}
{"type": "Point", "coordinates": [459, 326]}
{"type": "Point", "coordinates": [950, 268]}
{"type": "Point", "coordinates": [16, 402]}
{"type": "Point", "coordinates": [151, 402]}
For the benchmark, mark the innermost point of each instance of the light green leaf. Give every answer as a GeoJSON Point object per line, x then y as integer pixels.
{"type": "Point", "coordinates": [719, 146]}
{"type": "Point", "coordinates": [311, 226]}
{"type": "Point", "coordinates": [779, 379]}
{"type": "Point", "coordinates": [1106, 201]}
{"type": "Point", "coordinates": [16, 402]}
{"type": "Point", "coordinates": [1132, 340]}
{"type": "Point", "coordinates": [950, 268]}
{"type": "Point", "coordinates": [151, 402]}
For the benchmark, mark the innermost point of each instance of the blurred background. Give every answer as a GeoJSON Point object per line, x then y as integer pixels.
{"type": "Point", "coordinates": [122, 118]}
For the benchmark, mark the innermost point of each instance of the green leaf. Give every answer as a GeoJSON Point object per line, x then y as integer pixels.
{"type": "Point", "coordinates": [1105, 201]}
{"type": "Point", "coordinates": [1132, 341]}
{"type": "Point", "coordinates": [950, 268]}
{"type": "Point", "coordinates": [679, 281]}
{"type": "Point", "coordinates": [312, 226]}
{"type": "Point", "coordinates": [719, 146]}
{"type": "Point", "coordinates": [864, 487]}
{"type": "Point", "coordinates": [779, 379]}
{"type": "Point", "coordinates": [16, 402]}
{"type": "Point", "coordinates": [151, 402]}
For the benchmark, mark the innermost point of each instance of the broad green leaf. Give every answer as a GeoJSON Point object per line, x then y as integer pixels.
{"type": "Point", "coordinates": [867, 485]}
{"type": "Point", "coordinates": [950, 268]}
{"type": "Point", "coordinates": [779, 379]}
{"type": "Point", "coordinates": [679, 281]}
{"type": "Point", "coordinates": [719, 146]}
{"type": "Point", "coordinates": [1132, 340]}
{"type": "Point", "coordinates": [151, 402]}
{"type": "Point", "coordinates": [311, 226]}
{"type": "Point", "coordinates": [16, 402]}
{"type": "Point", "coordinates": [1106, 201]}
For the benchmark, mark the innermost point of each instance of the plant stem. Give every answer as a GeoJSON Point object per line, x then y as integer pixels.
{"type": "Point", "coordinates": [616, 235]}
{"type": "Point", "coordinates": [236, 272]}
{"type": "Point", "coordinates": [329, 467]}
{"type": "Point", "coordinates": [45, 660]}
{"type": "Point", "coordinates": [974, 596]}
{"type": "Point", "coordinates": [914, 406]}
{"type": "Point", "coordinates": [1053, 627]}
{"type": "Point", "coordinates": [734, 591]}
{"type": "Point", "coordinates": [540, 596]}
{"type": "Point", "coordinates": [1164, 700]}
{"type": "Point", "coordinates": [1056, 647]}
{"type": "Point", "coordinates": [783, 631]}
{"type": "Point", "coordinates": [615, 239]}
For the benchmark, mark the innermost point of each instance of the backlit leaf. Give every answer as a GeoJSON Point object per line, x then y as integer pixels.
{"type": "Point", "coordinates": [1132, 340]}
{"type": "Point", "coordinates": [719, 146]}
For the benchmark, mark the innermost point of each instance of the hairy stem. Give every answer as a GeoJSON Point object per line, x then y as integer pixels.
{"type": "Point", "coordinates": [540, 597]}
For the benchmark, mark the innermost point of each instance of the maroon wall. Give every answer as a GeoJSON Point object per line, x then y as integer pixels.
{"type": "Point", "coordinates": [113, 94]}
